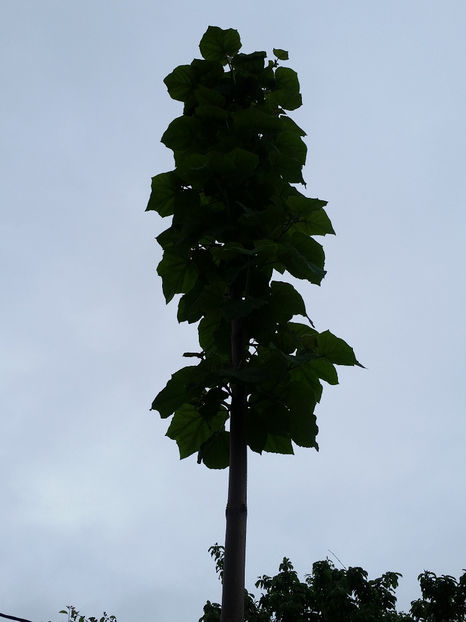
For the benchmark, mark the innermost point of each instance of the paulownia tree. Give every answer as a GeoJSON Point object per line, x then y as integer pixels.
{"type": "Point", "coordinates": [238, 219]}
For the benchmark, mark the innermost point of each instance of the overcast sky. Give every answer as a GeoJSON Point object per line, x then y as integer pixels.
{"type": "Point", "coordinates": [96, 508]}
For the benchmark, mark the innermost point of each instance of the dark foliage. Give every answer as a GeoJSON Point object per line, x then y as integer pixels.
{"type": "Point", "coordinates": [237, 218]}
{"type": "Point", "coordinates": [330, 594]}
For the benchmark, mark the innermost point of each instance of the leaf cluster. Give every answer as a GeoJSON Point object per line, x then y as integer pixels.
{"type": "Point", "coordinates": [237, 220]}
{"type": "Point", "coordinates": [75, 616]}
{"type": "Point", "coordinates": [443, 598]}
{"type": "Point", "coordinates": [331, 594]}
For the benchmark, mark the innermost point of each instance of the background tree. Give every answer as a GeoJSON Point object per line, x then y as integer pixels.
{"type": "Point", "coordinates": [237, 217]}
{"type": "Point", "coordinates": [443, 598]}
{"type": "Point", "coordinates": [331, 594]}
{"type": "Point", "coordinates": [75, 616]}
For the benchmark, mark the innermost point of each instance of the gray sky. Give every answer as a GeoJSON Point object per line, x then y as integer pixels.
{"type": "Point", "coordinates": [97, 509]}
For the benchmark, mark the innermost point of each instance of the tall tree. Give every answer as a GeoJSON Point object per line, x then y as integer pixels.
{"type": "Point", "coordinates": [237, 217]}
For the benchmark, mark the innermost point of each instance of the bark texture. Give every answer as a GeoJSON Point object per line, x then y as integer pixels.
{"type": "Point", "coordinates": [236, 511]}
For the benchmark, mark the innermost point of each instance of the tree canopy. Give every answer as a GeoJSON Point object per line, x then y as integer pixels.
{"type": "Point", "coordinates": [330, 594]}
{"type": "Point", "coordinates": [238, 219]}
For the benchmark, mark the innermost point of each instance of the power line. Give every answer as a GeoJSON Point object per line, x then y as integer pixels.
{"type": "Point", "coordinates": [4, 615]}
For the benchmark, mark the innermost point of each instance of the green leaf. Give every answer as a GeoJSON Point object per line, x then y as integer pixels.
{"type": "Point", "coordinates": [187, 219]}
{"type": "Point", "coordinates": [311, 250]}
{"type": "Point", "coordinates": [307, 377]}
{"type": "Point", "coordinates": [248, 375]}
{"type": "Point", "coordinates": [299, 397]}
{"type": "Point", "coordinates": [280, 54]}
{"type": "Point", "coordinates": [215, 452]}
{"type": "Point", "coordinates": [203, 298]}
{"type": "Point", "coordinates": [270, 252]}
{"type": "Point", "coordinates": [214, 334]}
{"type": "Point", "coordinates": [315, 223]}
{"type": "Point", "coordinates": [249, 63]}
{"type": "Point", "coordinates": [218, 45]}
{"type": "Point", "coordinates": [325, 370]}
{"type": "Point", "coordinates": [302, 331]}
{"type": "Point", "coordinates": [285, 301]}
{"type": "Point", "coordinates": [287, 80]}
{"type": "Point", "coordinates": [254, 120]}
{"type": "Point", "coordinates": [302, 206]}
{"type": "Point", "coordinates": [285, 340]}
{"type": "Point", "coordinates": [209, 97]}
{"type": "Point", "coordinates": [237, 163]}
{"type": "Point", "coordinates": [168, 238]}
{"type": "Point", "coordinates": [178, 273]}
{"type": "Point", "coordinates": [291, 155]}
{"type": "Point", "coordinates": [213, 401]}
{"type": "Point", "coordinates": [182, 133]}
{"type": "Point", "coordinates": [192, 168]}
{"type": "Point", "coordinates": [301, 402]}
{"type": "Point", "coordinates": [288, 124]}
{"type": "Point", "coordinates": [184, 384]}
{"type": "Point", "coordinates": [256, 433]}
{"type": "Point", "coordinates": [304, 429]}
{"type": "Point", "coordinates": [208, 111]}
{"type": "Point", "coordinates": [208, 74]}
{"type": "Point", "coordinates": [180, 83]}
{"type": "Point", "coordinates": [229, 251]}
{"type": "Point", "coordinates": [278, 444]}
{"type": "Point", "coordinates": [162, 198]}
{"type": "Point", "coordinates": [243, 162]}
{"type": "Point", "coordinates": [276, 365]}
{"type": "Point", "coordinates": [286, 93]}
{"type": "Point", "coordinates": [309, 342]}
{"type": "Point", "coordinates": [241, 308]}
{"type": "Point", "coordinates": [190, 429]}
{"type": "Point", "coordinates": [303, 257]}
{"type": "Point", "coordinates": [275, 418]}
{"type": "Point", "coordinates": [336, 350]}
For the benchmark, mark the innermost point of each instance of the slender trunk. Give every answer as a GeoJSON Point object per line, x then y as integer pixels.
{"type": "Point", "coordinates": [236, 511]}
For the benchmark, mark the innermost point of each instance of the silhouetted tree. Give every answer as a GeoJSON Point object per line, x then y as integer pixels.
{"type": "Point", "coordinates": [237, 216]}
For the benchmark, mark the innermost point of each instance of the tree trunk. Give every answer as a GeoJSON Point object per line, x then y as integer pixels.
{"type": "Point", "coordinates": [236, 511]}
